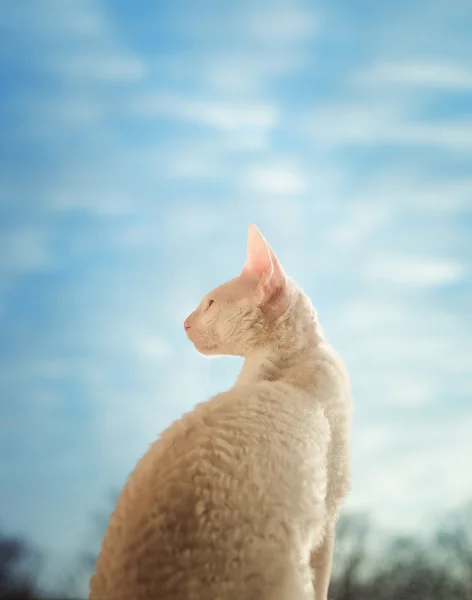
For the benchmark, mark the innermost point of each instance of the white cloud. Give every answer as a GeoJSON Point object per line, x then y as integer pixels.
{"type": "Point", "coordinates": [76, 41]}
{"type": "Point", "coordinates": [238, 73]}
{"type": "Point", "coordinates": [26, 249]}
{"type": "Point", "coordinates": [241, 50]}
{"type": "Point", "coordinates": [277, 178]}
{"type": "Point", "coordinates": [449, 135]}
{"type": "Point", "coordinates": [415, 73]}
{"type": "Point", "coordinates": [102, 67]}
{"type": "Point", "coordinates": [232, 126]}
{"type": "Point", "coordinates": [414, 272]}
{"type": "Point", "coordinates": [193, 222]}
{"type": "Point", "coordinates": [73, 17]}
{"type": "Point", "coordinates": [347, 123]}
{"type": "Point", "coordinates": [357, 221]}
{"type": "Point", "coordinates": [414, 391]}
{"type": "Point", "coordinates": [282, 24]}
{"type": "Point", "coordinates": [151, 347]}
{"type": "Point", "coordinates": [194, 163]}
{"type": "Point", "coordinates": [403, 188]}
{"type": "Point", "coordinates": [373, 124]}
{"type": "Point", "coordinates": [105, 204]}
{"type": "Point", "coordinates": [444, 195]}
{"type": "Point", "coordinates": [221, 115]}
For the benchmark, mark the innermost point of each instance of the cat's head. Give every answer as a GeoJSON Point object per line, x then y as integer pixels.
{"type": "Point", "coordinates": [261, 308]}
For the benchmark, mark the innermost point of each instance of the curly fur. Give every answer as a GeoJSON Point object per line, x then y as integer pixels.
{"type": "Point", "coordinates": [237, 500]}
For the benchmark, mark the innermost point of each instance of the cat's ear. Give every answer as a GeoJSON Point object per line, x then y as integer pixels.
{"type": "Point", "coordinates": [263, 264]}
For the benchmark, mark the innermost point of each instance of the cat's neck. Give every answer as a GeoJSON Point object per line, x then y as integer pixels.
{"type": "Point", "coordinates": [288, 352]}
{"type": "Point", "coordinates": [265, 365]}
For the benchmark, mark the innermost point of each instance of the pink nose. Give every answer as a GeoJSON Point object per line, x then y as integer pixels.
{"type": "Point", "coordinates": [186, 325]}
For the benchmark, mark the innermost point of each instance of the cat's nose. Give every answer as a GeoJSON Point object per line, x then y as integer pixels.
{"type": "Point", "coordinates": [186, 325]}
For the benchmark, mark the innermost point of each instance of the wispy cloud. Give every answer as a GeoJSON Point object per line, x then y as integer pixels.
{"type": "Point", "coordinates": [443, 75]}
{"type": "Point", "coordinates": [278, 178]}
{"type": "Point", "coordinates": [287, 23]}
{"type": "Point", "coordinates": [223, 115]}
{"type": "Point", "coordinates": [108, 68]}
{"type": "Point", "coordinates": [373, 124]}
{"type": "Point", "coordinates": [415, 272]}
{"type": "Point", "coordinates": [25, 250]}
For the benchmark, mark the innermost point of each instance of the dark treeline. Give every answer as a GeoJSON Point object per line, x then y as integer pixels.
{"type": "Point", "coordinates": [367, 567]}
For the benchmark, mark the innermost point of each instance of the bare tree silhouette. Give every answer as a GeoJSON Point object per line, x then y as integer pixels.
{"type": "Point", "coordinates": [18, 569]}
{"type": "Point", "coordinates": [436, 568]}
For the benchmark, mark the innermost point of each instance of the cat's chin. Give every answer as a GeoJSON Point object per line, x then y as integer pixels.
{"type": "Point", "coordinates": [208, 351]}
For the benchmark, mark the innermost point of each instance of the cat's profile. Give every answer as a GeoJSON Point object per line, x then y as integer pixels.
{"type": "Point", "coordinates": [238, 499]}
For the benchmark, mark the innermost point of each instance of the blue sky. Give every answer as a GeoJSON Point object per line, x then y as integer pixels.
{"type": "Point", "coordinates": [138, 142]}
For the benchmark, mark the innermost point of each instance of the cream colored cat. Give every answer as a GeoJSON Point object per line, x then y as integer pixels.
{"type": "Point", "coordinates": [238, 499]}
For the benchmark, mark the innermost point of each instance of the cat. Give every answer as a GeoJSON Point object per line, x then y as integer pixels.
{"type": "Point", "coordinates": [238, 499]}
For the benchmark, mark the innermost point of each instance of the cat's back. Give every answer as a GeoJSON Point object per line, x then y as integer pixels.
{"type": "Point", "coordinates": [217, 482]}
{"type": "Point", "coordinates": [334, 393]}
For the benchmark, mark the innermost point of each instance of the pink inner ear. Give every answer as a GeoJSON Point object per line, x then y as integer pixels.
{"type": "Point", "coordinates": [262, 263]}
{"type": "Point", "coordinates": [258, 259]}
